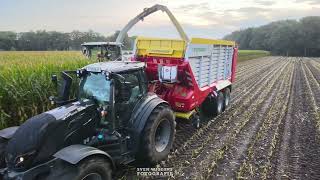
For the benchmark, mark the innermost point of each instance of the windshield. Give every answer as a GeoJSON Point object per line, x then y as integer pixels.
{"type": "Point", "coordinates": [95, 86]}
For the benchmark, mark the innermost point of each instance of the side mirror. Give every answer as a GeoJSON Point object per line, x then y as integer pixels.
{"type": "Point", "coordinates": [64, 89]}
{"type": "Point", "coordinates": [86, 52]}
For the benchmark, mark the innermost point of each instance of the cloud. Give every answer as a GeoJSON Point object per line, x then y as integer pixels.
{"type": "Point", "coordinates": [312, 2]}
{"type": "Point", "coordinates": [191, 7]}
{"type": "Point", "coordinates": [265, 3]}
{"type": "Point", "coordinates": [249, 10]}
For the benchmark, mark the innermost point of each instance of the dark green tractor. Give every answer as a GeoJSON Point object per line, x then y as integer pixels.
{"type": "Point", "coordinates": [113, 120]}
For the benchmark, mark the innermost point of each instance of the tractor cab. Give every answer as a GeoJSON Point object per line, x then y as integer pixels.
{"type": "Point", "coordinates": [103, 51]}
{"type": "Point", "coordinates": [114, 86]}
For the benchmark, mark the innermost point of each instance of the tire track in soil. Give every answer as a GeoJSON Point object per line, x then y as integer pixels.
{"type": "Point", "coordinates": [314, 80]}
{"type": "Point", "coordinates": [297, 156]}
{"type": "Point", "coordinates": [314, 90]}
{"type": "Point", "coordinates": [257, 161]}
{"type": "Point", "coordinates": [226, 125]}
{"type": "Point", "coordinates": [232, 160]}
{"type": "Point", "coordinates": [315, 69]}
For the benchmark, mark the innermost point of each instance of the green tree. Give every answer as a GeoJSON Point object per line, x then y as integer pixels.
{"type": "Point", "coordinates": [7, 40]}
{"type": "Point", "coordinates": [288, 37]}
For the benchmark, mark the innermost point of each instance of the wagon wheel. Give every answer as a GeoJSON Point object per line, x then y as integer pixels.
{"type": "Point", "coordinates": [196, 121]}
{"type": "Point", "coordinates": [226, 95]}
{"type": "Point", "coordinates": [213, 106]}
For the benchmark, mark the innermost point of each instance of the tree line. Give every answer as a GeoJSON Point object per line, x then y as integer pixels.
{"type": "Point", "coordinates": [286, 37]}
{"type": "Point", "coordinates": [42, 40]}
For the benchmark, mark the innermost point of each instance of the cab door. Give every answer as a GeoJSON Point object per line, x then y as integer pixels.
{"type": "Point", "coordinates": [128, 95]}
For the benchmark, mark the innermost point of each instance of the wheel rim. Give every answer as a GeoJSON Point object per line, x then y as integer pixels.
{"type": "Point", "coordinates": [162, 135]}
{"type": "Point", "coordinates": [92, 176]}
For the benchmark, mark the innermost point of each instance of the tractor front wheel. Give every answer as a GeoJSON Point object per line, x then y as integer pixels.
{"type": "Point", "coordinates": [92, 168]}
{"type": "Point", "coordinates": [158, 135]}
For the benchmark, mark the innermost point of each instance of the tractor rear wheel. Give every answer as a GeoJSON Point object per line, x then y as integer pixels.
{"type": "Point", "coordinates": [92, 168]}
{"type": "Point", "coordinates": [226, 95]}
{"type": "Point", "coordinates": [213, 106]}
{"type": "Point", "coordinates": [158, 135]}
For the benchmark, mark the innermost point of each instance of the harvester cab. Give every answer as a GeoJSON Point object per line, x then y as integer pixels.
{"type": "Point", "coordinates": [103, 51]}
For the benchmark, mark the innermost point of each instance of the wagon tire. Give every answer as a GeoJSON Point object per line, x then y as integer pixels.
{"type": "Point", "coordinates": [213, 106]}
{"type": "Point", "coordinates": [226, 95]}
{"type": "Point", "coordinates": [92, 168]}
{"type": "Point", "coordinates": [157, 136]}
{"type": "Point", "coordinates": [196, 121]}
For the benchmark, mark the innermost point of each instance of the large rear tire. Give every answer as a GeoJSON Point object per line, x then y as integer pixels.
{"type": "Point", "coordinates": [92, 168]}
{"type": "Point", "coordinates": [213, 106]}
{"type": "Point", "coordinates": [157, 135]}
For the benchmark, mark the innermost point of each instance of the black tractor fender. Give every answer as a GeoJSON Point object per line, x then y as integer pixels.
{"type": "Point", "coordinates": [8, 132]}
{"type": "Point", "coordinates": [141, 114]}
{"type": "Point", "coordinates": [73, 154]}
{"type": "Point", "coordinates": [5, 136]}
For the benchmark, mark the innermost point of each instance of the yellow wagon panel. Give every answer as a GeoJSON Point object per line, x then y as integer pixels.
{"type": "Point", "coordinates": [160, 47]}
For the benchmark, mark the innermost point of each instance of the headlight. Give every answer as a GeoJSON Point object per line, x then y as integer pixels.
{"type": "Point", "coordinates": [24, 160]}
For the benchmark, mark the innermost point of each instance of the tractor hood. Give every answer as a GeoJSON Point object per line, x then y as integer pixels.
{"type": "Point", "coordinates": [41, 136]}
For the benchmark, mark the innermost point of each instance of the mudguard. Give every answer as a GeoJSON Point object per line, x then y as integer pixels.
{"type": "Point", "coordinates": [5, 136]}
{"type": "Point", "coordinates": [141, 114]}
{"type": "Point", "coordinates": [75, 153]}
{"type": "Point", "coordinates": [8, 132]}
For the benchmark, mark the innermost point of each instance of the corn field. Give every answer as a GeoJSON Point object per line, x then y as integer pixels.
{"type": "Point", "coordinates": [25, 82]}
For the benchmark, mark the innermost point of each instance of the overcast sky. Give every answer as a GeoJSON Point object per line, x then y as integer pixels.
{"type": "Point", "coordinates": [199, 18]}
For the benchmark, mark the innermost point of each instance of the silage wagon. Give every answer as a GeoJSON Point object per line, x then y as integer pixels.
{"type": "Point", "coordinates": [191, 76]}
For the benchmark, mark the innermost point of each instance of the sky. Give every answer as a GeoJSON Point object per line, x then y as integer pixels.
{"type": "Point", "coordinates": [199, 18]}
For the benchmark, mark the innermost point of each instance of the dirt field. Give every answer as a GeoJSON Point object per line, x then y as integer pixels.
{"type": "Point", "coordinates": [271, 130]}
